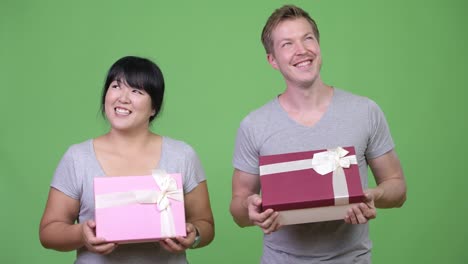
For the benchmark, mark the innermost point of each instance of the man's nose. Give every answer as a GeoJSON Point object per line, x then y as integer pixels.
{"type": "Point", "coordinates": [300, 48]}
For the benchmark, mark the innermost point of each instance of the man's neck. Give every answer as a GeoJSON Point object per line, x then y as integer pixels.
{"type": "Point", "coordinates": [311, 98]}
{"type": "Point", "coordinates": [306, 106]}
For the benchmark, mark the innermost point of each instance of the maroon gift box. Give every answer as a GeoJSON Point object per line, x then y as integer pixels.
{"type": "Point", "coordinates": [290, 185]}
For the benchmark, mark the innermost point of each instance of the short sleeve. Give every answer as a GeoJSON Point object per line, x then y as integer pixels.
{"type": "Point", "coordinates": [245, 153]}
{"type": "Point", "coordinates": [193, 172]}
{"type": "Point", "coordinates": [380, 139]}
{"type": "Point", "coordinates": [65, 177]}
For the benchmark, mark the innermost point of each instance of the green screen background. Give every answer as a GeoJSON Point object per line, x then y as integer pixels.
{"type": "Point", "coordinates": [408, 56]}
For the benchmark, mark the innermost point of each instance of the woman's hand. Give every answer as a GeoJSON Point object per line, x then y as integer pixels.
{"type": "Point", "coordinates": [180, 244]}
{"type": "Point", "coordinates": [92, 243]}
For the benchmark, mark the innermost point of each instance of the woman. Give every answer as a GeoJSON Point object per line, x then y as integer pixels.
{"type": "Point", "coordinates": [131, 99]}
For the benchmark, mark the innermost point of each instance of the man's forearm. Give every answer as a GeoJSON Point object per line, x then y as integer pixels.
{"type": "Point", "coordinates": [239, 211]}
{"type": "Point", "coordinates": [389, 194]}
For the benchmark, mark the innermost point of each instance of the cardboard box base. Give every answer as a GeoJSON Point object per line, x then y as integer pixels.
{"type": "Point", "coordinates": [311, 215]}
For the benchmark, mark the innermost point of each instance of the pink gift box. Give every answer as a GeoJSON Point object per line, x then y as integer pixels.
{"type": "Point", "coordinates": [291, 185]}
{"type": "Point", "coordinates": [123, 220]}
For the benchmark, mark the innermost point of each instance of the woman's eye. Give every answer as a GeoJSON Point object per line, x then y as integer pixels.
{"type": "Point", "coordinates": [115, 86]}
{"type": "Point", "coordinates": [138, 91]}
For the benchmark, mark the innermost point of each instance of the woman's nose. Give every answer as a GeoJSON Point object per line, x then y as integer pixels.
{"type": "Point", "coordinates": [124, 96]}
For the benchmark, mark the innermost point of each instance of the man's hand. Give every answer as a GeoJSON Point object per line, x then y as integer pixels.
{"type": "Point", "coordinates": [362, 212]}
{"type": "Point", "coordinates": [267, 220]}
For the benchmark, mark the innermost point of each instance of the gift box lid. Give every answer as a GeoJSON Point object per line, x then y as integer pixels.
{"type": "Point", "coordinates": [289, 181]}
{"type": "Point", "coordinates": [120, 219]}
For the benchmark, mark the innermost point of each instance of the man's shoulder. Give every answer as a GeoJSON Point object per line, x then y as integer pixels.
{"type": "Point", "coordinates": [347, 95]}
{"type": "Point", "coordinates": [262, 112]}
{"type": "Point", "coordinates": [349, 99]}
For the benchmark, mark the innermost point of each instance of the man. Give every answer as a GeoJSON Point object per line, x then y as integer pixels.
{"type": "Point", "coordinates": [310, 115]}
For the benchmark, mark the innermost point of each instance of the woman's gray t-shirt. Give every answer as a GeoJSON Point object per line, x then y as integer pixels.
{"type": "Point", "coordinates": [74, 177]}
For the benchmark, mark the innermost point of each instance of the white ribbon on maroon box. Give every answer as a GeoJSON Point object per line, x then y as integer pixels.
{"type": "Point", "coordinates": [168, 190]}
{"type": "Point", "coordinates": [332, 160]}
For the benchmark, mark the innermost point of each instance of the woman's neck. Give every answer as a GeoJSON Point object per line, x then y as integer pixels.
{"type": "Point", "coordinates": [129, 141]}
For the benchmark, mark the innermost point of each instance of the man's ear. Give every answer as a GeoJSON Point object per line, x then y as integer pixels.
{"type": "Point", "coordinates": [271, 59]}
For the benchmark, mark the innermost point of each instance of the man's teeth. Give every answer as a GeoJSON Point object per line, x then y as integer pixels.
{"type": "Point", "coordinates": [304, 63]}
{"type": "Point", "coordinates": [122, 111]}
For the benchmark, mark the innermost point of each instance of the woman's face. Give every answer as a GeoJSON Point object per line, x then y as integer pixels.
{"type": "Point", "coordinates": [127, 108]}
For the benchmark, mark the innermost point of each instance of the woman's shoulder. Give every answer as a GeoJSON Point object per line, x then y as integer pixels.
{"type": "Point", "coordinates": [82, 148]}
{"type": "Point", "coordinates": [176, 144]}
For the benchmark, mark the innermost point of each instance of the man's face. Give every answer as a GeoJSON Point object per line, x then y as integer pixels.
{"type": "Point", "coordinates": [296, 52]}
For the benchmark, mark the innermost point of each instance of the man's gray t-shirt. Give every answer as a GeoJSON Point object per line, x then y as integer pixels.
{"type": "Point", "coordinates": [74, 177]}
{"type": "Point", "coordinates": [350, 120]}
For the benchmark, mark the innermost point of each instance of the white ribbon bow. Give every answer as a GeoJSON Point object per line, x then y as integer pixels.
{"type": "Point", "coordinates": [334, 160]}
{"type": "Point", "coordinates": [168, 190]}
{"type": "Point", "coordinates": [168, 187]}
